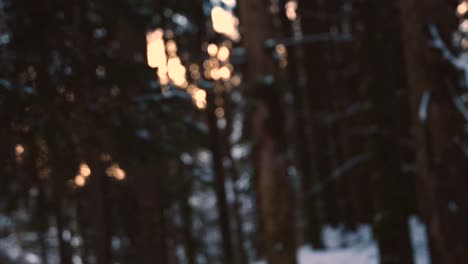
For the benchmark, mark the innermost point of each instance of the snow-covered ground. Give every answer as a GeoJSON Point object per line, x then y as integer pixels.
{"type": "Point", "coordinates": [359, 247]}
{"type": "Point", "coordinates": [342, 247]}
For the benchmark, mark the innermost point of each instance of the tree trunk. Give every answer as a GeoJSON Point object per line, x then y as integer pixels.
{"type": "Point", "coordinates": [313, 205]}
{"type": "Point", "coordinates": [149, 195]}
{"type": "Point", "coordinates": [220, 180]}
{"type": "Point", "coordinates": [441, 165]}
{"type": "Point", "coordinates": [273, 186]}
{"type": "Point", "coordinates": [383, 85]}
{"type": "Point", "coordinates": [101, 210]}
{"type": "Point", "coordinates": [187, 216]}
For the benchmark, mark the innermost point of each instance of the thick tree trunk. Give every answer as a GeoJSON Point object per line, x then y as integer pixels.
{"type": "Point", "coordinates": [441, 165]}
{"type": "Point", "coordinates": [273, 186]}
{"type": "Point", "coordinates": [313, 205]}
{"type": "Point", "coordinates": [384, 83]}
{"type": "Point", "coordinates": [152, 225]}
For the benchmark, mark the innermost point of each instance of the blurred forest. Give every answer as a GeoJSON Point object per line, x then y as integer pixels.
{"type": "Point", "coordinates": [231, 131]}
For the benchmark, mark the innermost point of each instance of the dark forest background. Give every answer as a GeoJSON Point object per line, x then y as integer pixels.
{"type": "Point", "coordinates": [223, 131]}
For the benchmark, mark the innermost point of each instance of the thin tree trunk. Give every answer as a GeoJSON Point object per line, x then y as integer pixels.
{"type": "Point", "coordinates": [239, 230]}
{"type": "Point", "coordinates": [219, 180]}
{"type": "Point", "coordinates": [59, 172]}
{"type": "Point", "coordinates": [101, 209]}
{"type": "Point", "coordinates": [234, 177]}
{"type": "Point", "coordinates": [152, 247]}
{"type": "Point", "coordinates": [187, 216]}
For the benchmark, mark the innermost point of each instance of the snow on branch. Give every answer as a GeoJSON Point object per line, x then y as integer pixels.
{"type": "Point", "coordinates": [424, 106]}
{"type": "Point", "coordinates": [457, 61]}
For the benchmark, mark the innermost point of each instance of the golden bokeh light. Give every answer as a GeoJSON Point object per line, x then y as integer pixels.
{"type": "Point", "coordinates": [199, 98]}
{"type": "Point", "coordinates": [236, 80]}
{"type": "Point", "coordinates": [19, 149]}
{"type": "Point", "coordinates": [224, 73]}
{"type": "Point", "coordinates": [85, 171]}
{"type": "Point", "coordinates": [215, 74]}
{"type": "Point", "coordinates": [176, 71]}
{"type": "Point", "coordinates": [194, 67]}
{"type": "Point", "coordinates": [223, 54]}
{"type": "Point", "coordinates": [207, 64]}
{"type": "Point", "coordinates": [164, 80]}
{"type": "Point", "coordinates": [212, 49]}
{"type": "Point", "coordinates": [79, 181]}
{"type": "Point", "coordinates": [156, 54]}
{"type": "Point", "coordinates": [119, 174]}
{"type": "Point", "coordinates": [224, 22]}
{"type": "Point", "coordinates": [291, 7]}
{"type": "Point", "coordinates": [171, 47]}
{"type": "Point", "coordinates": [114, 171]}
{"type": "Point", "coordinates": [462, 8]}
{"type": "Point", "coordinates": [280, 49]}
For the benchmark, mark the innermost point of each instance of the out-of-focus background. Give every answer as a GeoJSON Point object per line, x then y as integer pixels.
{"type": "Point", "coordinates": [233, 131]}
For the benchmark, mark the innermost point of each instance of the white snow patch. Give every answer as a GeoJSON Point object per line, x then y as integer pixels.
{"type": "Point", "coordinates": [360, 249]}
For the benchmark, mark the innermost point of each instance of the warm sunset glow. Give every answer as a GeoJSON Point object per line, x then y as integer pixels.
{"type": "Point", "coordinates": [224, 22]}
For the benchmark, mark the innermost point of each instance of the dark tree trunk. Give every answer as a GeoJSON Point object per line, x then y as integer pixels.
{"type": "Point", "coordinates": [306, 128]}
{"type": "Point", "coordinates": [384, 86]}
{"type": "Point", "coordinates": [216, 144]}
{"type": "Point", "coordinates": [101, 209]}
{"type": "Point", "coordinates": [151, 239]}
{"type": "Point", "coordinates": [187, 216]}
{"type": "Point", "coordinates": [441, 166]}
{"type": "Point", "coordinates": [273, 186]}
{"type": "Point", "coordinates": [59, 172]}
